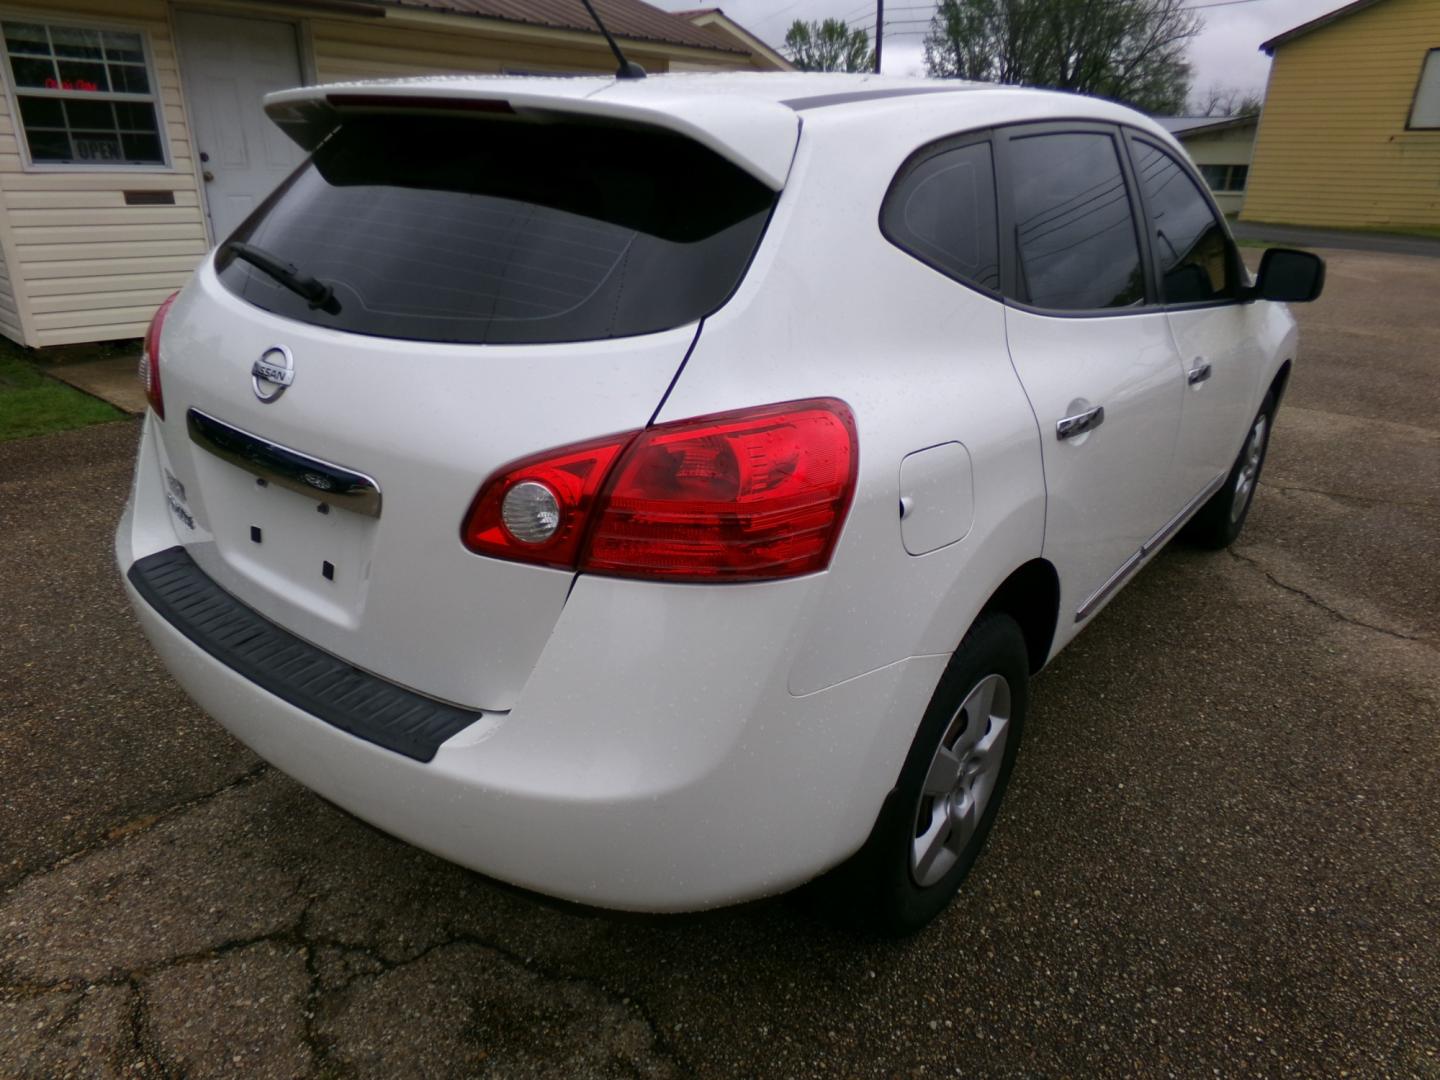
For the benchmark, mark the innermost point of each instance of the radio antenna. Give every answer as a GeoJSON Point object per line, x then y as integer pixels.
{"type": "Point", "coordinates": [627, 70]}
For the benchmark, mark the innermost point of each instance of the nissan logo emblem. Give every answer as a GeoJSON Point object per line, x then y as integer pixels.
{"type": "Point", "coordinates": [272, 373]}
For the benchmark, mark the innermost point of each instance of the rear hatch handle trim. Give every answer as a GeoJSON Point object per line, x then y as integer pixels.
{"type": "Point", "coordinates": [284, 467]}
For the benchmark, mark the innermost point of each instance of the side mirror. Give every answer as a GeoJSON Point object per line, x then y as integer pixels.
{"type": "Point", "coordinates": [1293, 277]}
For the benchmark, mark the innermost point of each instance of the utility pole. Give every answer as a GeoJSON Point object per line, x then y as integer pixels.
{"type": "Point", "coordinates": [879, 32]}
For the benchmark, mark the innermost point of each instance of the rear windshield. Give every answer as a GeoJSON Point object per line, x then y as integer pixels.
{"type": "Point", "coordinates": [503, 232]}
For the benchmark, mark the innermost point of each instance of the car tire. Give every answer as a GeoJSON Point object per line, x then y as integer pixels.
{"type": "Point", "coordinates": [1217, 524]}
{"type": "Point", "coordinates": [936, 819]}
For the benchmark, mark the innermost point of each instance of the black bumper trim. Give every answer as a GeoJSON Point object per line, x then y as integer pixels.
{"type": "Point", "coordinates": [251, 645]}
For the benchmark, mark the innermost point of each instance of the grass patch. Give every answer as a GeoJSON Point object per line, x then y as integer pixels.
{"type": "Point", "coordinates": [32, 403]}
{"type": "Point", "coordinates": [1431, 232]}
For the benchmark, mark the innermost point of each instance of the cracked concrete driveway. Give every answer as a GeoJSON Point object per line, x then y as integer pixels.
{"type": "Point", "coordinates": [1221, 853]}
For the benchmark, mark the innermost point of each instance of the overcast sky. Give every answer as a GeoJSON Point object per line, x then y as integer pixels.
{"type": "Point", "coordinates": [1227, 52]}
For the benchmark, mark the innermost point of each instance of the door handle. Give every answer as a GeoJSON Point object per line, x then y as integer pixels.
{"type": "Point", "coordinates": [1080, 423]}
{"type": "Point", "coordinates": [1199, 373]}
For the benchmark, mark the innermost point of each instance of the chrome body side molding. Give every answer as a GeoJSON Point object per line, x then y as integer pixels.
{"type": "Point", "coordinates": [1130, 565]}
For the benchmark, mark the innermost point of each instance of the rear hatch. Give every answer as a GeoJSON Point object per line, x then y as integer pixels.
{"type": "Point", "coordinates": [494, 287]}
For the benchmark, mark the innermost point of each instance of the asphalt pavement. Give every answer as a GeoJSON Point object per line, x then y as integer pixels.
{"type": "Point", "coordinates": [1371, 240]}
{"type": "Point", "coordinates": [1220, 854]}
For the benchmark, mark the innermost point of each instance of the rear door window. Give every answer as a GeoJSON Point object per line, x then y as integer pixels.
{"type": "Point", "coordinates": [1075, 242]}
{"type": "Point", "coordinates": [500, 231]}
{"type": "Point", "coordinates": [1188, 239]}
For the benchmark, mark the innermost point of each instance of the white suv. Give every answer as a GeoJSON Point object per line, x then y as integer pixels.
{"type": "Point", "coordinates": [659, 493]}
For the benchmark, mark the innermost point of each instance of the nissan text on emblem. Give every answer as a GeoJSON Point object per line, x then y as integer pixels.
{"type": "Point", "coordinates": [272, 373]}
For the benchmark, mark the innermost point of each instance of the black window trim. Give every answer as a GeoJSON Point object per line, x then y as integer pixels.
{"type": "Point", "coordinates": [1121, 135]}
{"type": "Point", "coordinates": [1005, 196]}
{"type": "Point", "coordinates": [1237, 266]}
{"type": "Point", "coordinates": [926, 153]}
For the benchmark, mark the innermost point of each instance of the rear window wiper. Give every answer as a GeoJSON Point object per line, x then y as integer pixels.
{"type": "Point", "coordinates": [316, 292]}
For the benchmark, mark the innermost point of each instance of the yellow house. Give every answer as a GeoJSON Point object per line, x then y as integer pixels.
{"type": "Point", "coordinates": [1350, 133]}
{"type": "Point", "coordinates": [131, 135]}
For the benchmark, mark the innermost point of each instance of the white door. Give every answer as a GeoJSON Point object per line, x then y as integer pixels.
{"type": "Point", "coordinates": [1217, 337]}
{"type": "Point", "coordinates": [228, 64]}
{"type": "Point", "coordinates": [1096, 360]}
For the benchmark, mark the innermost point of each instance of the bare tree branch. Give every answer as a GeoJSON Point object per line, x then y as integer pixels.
{"type": "Point", "coordinates": [1129, 50]}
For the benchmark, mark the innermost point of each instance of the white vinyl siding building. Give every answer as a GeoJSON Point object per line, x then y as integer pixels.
{"type": "Point", "coordinates": [101, 217]}
{"type": "Point", "coordinates": [90, 248]}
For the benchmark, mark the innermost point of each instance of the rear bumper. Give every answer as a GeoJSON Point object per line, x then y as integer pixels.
{"type": "Point", "coordinates": [655, 760]}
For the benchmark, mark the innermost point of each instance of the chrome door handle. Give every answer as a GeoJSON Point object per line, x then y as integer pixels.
{"type": "Point", "coordinates": [1080, 423]}
{"type": "Point", "coordinates": [1199, 373]}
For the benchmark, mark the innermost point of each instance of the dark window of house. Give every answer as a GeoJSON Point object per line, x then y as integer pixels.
{"type": "Point", "coordinates": [1189, 243]}
{"type": "Point", "coordinates": [942, 211]}
{"type": "Point", "coordinates": [1225, 178]}
{"type": "Point", "coordinates": [86, 96]}
{"type": "Point", "coordinates": [1075, 237]}
{"type": "Point", "coordinates": [500, 231]}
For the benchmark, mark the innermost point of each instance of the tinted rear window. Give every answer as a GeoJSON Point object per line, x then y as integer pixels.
{"type": "Point", "coordinates": [486, 231]}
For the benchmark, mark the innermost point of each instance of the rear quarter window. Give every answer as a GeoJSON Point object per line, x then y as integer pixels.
{"type": "Point", "coordinates": [458, 229]}
{"type": "Point", "coordinates": [941, 209]}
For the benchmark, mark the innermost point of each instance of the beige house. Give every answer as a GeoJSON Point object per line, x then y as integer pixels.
{"type": "Point", "coordinates": [131, 135]}
{"type": "Point", "coordinates": [1221, 147]}
{"type": "Point", "coordinates": [728, 32]}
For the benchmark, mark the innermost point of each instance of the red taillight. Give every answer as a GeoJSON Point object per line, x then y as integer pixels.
{"type": "Point", "coordinates": [739, 497]}
{"type": "Point", "coordinates": [742, 496]}
{"type": "Point", "coordinates": [573, 475]}
{"type": "Point", "coordinates": [150, 358]}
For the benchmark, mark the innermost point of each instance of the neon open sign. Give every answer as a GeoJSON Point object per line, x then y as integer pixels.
{"type": "Point", "coordinates": [71, 84]}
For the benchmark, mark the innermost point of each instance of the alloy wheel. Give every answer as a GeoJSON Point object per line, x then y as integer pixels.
{"type": "Point", "coordinates": [961, 780]}
{"type": "Point", "coordinates": [1250, 459]}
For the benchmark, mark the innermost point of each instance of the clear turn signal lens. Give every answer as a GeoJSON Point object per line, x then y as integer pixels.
{"type": "Point", "coordinates": [530, 512]}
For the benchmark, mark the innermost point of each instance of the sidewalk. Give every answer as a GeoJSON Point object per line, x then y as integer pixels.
{"type": "Point", "coordinates": [111, 379]}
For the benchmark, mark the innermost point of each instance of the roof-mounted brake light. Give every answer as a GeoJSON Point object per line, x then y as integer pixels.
{"type": "Point", "coordinates": [420, 103]}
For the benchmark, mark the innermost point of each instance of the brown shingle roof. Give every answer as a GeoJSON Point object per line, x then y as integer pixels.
{"type": "Point", "coordinates": [630, 19]}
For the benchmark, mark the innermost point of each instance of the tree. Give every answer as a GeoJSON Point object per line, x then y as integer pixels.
{"type": "Point", "coordinates": [828, 46]}
{"type": "Point", "coordinates": [1226, 101]}
{"type": "Point", "coordinates": [1128, 50]}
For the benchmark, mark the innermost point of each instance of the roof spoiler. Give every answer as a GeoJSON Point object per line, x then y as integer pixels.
{"type": "Point", "coordinates": [757, 136]}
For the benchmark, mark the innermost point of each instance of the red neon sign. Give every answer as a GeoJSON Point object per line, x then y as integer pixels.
{"type": "Point", "coordinates": [71, 84]}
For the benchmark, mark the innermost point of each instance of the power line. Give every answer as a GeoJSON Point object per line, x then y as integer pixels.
{"type": "Point", "coordinates": [920, 27]}
{"type": "Point", "coordinates": [787, 7]}
{"type": "Point", "coordinates": [1217, 3]}
{"type": "Point", "coordinates": [934, 8]}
